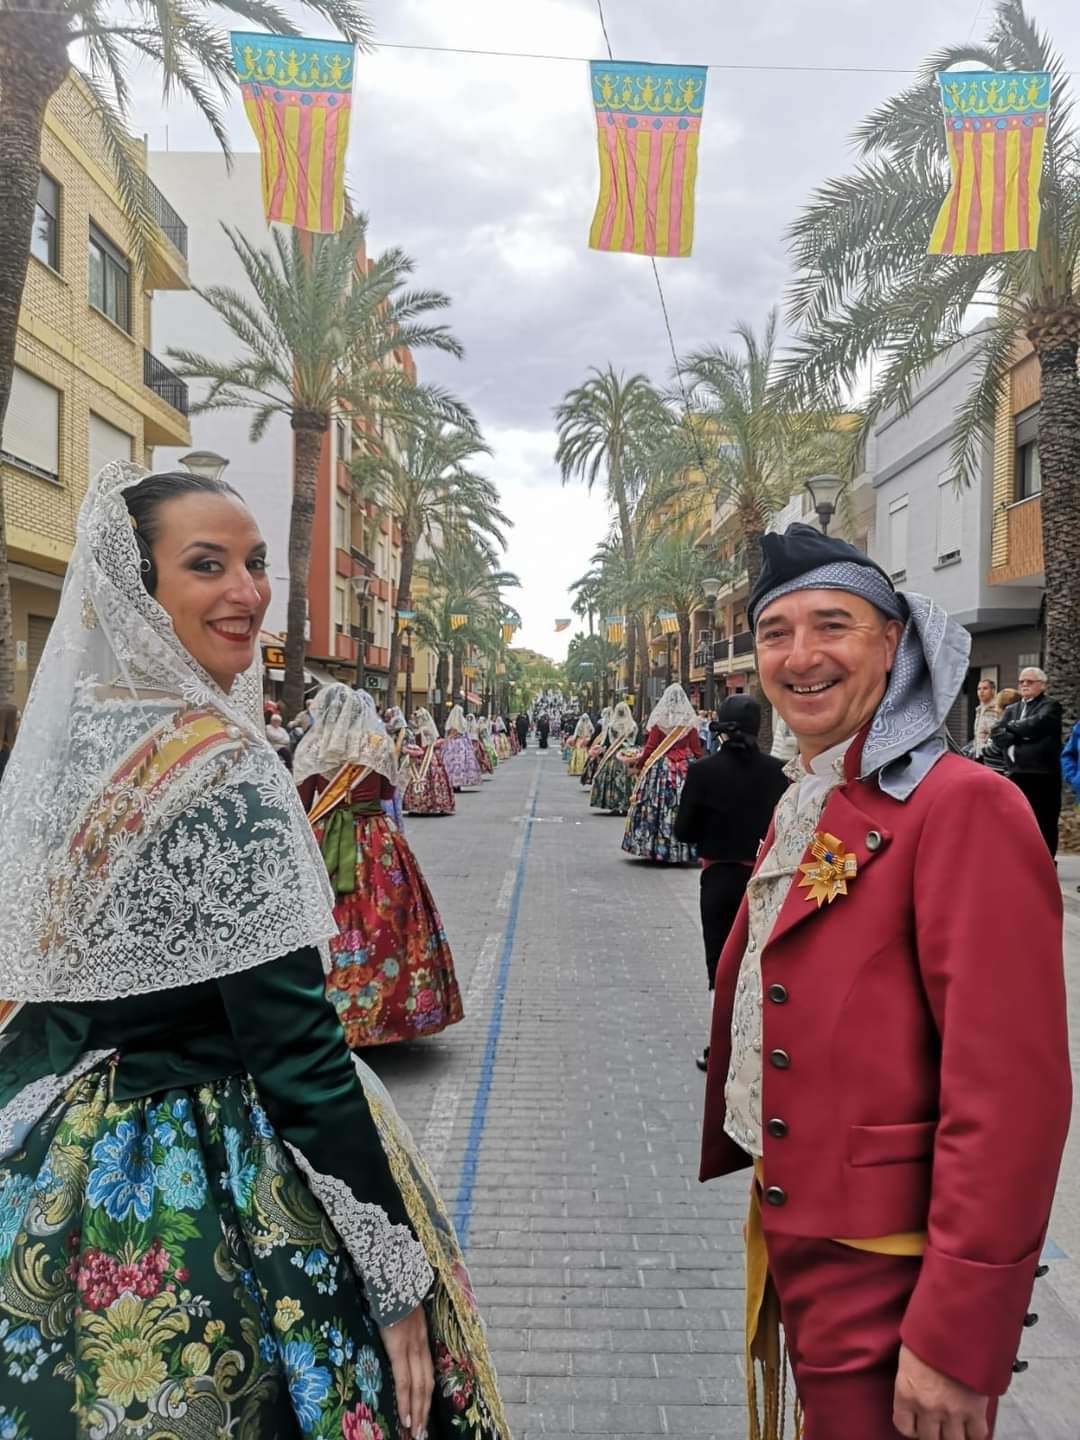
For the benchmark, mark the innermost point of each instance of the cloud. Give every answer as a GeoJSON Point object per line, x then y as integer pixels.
{"type": "Point", "coordinates": [484, 169]}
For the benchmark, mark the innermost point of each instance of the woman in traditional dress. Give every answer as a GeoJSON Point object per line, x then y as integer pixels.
{"type": "Point", "coordinates": [597, 747]}
{"type": "Point", "coordinates": [580, 741]}
{"type": "Point", "coordinates": [613, 782]}
{"type": "Point", "coordinates": [480, 751]}
{"type": "Point", "coordinates": [459, 751]}
{"type": "Point", "coordinates": [397, 727]}
{"type": "Point", "coordinates": [210, 1216]}
{"type": "Point", "coordinates": [500, 738]}
{"type": "Point", "coordinates": [487, 740]}
{"type": "Point", "coordinates": [392, 975]}
{"type": "Point", "coordinates": [660, 770]}
{"type": "Point", "coordinates": [428, 790]}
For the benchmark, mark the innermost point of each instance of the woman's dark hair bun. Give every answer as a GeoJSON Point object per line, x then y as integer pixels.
{"type": "Point", "coordinates": [144, 502]}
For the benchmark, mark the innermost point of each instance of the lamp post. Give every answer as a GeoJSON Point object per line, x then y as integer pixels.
{"type": "Point", "coordinates": [205, 463]}
{"type": "Point", "coordinates": [360, 585]}
{"type": "Point", "coordinates": [824, 491]}
{"type": "Point", "coordinates": [711, 589]}
{"type": "Point", "coordinates": [407, 632]}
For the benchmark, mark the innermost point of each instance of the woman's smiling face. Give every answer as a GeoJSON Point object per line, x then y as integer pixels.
{"type": "Point", "coordinates": [212, 580]}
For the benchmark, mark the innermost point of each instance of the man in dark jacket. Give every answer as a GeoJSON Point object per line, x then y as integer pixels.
{"type": "Point", "coordinates": [521, 724]}
{"type": "Point", "coordinates": [726, 805]}
{"type": "Point", "coordinates": [1030, 735]}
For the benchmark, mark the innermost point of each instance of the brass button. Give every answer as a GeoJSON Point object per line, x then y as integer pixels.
{"type": "Point", "coordinates": [780, 1059]}
{"type": "Point", "coordinates": [873, 840]}
{"type": "Point", "coordinates": [775, 1196]}
{"type": "Point", "coordinates": [777, 994]}
{"type": "Point", "coordinates": [777, 1128]}
{"type": "Point", "coordinates": [1030, 1319]}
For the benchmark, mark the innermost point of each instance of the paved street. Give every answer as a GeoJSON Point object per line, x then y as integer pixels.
{"type": "Point", "coordinates": [562, 1118]}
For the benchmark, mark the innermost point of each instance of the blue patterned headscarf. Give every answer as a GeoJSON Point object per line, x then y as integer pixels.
{"type": "Point", "coordinates": [907, 734]}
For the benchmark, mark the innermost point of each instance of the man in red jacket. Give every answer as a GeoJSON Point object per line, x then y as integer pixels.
{"type": "Point", "coordinates": [901, 1088]}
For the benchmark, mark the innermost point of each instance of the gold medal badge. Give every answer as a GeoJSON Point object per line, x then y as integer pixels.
{"type": "Point", "coordinates": [832, 867]}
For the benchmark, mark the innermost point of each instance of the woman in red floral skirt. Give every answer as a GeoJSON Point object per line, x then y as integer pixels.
{"type": "Point", "coordinates": [392, 975]}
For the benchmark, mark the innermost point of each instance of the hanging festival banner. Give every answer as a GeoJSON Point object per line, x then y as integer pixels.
{"type": "Point", "coordinates": [995, 129]}
{"type": "Point", "coordinates": [616, 629]}
{"type": "Point", "coordinates": [508, 629]}
{"type": "Point", "coordinates": [469, 671]}
{"type": "Point", "coordinates": [404, 617]}
{"type": "Point", "coordinates": [457, 621]}
{"type": "Point", "coordinates": [648, 118]}
{"type": "Point", "coordinates": [500, 668]}
{"type": "Point", "coordinates": [668, 622]}
{"type": "Point", "coordinates": [298, 98]}
{"type": "Point", "coordinates": [562, 625]}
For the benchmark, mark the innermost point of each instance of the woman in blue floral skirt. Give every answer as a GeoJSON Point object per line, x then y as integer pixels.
{"type": "Point", "coordinates": [211, 1222]}
{"type": "Point", "coordinates": [672, 742]}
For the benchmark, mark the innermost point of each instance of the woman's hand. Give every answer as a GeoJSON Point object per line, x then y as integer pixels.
{"type": "Point", "coordinates": [407, 1346]}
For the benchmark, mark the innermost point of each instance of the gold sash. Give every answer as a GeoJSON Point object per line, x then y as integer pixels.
{"type": "Point", "coordinates": [338, 791]}
{"type": "Point", "coordinates": [612, 751]}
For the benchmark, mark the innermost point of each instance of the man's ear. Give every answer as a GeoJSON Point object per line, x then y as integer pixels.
{"type": "Point", "coordinates": [893, 631]}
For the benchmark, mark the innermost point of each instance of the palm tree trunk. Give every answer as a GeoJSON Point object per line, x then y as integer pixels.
{"type": "Point", "coordinates": [441, 669]}
{"type": "Point", "coordinates": [309, 429]}
{"type": "Point", "coordinates": [33, 63]}
{"type": "Point", "coordinates": [404, 602]}
{"type": "Point", "coordinates": [1059, 456]}
{"type": "Point", "coordinates": [752, 541]}
{"type": "Point", "coordinates": [684, 650]}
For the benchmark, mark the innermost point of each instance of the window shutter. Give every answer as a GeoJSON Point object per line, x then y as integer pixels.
{"type": "Point", "coordinates": [107, 443]}
{"type": "Point", "coordinates": [950, 514]}
{"type": "Point", "coordinates": [32, 424]}
{"type": "Point", "coordinates": [37, 633]}
{"type": "Point", "coordinates": [898, 518]}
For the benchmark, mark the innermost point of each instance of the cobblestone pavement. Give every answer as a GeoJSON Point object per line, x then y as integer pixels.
{"type": "Point", "coordinates": [562, 1118]}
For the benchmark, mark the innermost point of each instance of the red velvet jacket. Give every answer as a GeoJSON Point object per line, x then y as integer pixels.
{"type": "Point", "coordinates": [927, 1080]}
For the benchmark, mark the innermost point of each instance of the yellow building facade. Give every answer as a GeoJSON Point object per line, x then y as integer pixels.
{"type": "Point", "coordinates": [87, 387]}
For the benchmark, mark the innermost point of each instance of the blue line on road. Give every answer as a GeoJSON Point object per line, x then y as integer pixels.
{"type": "Point", "coordinates": [466, 1185]}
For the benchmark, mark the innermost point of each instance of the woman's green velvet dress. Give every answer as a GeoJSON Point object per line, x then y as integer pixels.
{"type": "Point", "coordinates": [170, 1165]}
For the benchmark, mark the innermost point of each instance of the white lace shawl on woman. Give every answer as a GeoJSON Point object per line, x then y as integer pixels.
{"type": "Point", "coordinates": [346, 730]}
{"type": "Point", "coordinates": [673, 708]}
{"type": "Point", "coordinates": [149, 835]}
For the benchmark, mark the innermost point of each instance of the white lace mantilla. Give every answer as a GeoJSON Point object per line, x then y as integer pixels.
{"type": "Point", "coordinates": [19, 1116]}
{"type": "Point", "coordinates": [389, 1260]}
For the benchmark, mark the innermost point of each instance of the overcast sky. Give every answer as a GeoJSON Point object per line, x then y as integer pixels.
{"type": "Point", "coordinates": [484, 169]}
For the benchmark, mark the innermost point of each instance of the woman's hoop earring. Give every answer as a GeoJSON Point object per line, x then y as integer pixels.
{"type": "Point", "coordinates": [144, 565]}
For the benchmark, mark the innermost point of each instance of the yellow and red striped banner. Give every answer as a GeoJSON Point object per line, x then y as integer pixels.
{"type": "Point", "coordinates": [298, 98]}
{"type": "Point", "coordinates": [648, 118]}
{"type": "Point", "coordinates": [995, 127]}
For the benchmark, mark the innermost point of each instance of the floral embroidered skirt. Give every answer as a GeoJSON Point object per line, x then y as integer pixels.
{"type": "Point", "coordinates": [611, 787]}
{"type": "Point", "coordinates": [430, 795]}
{"type": "Point", "coordinates": [392, 975]}
{"type": "Point", "coordinates": [166, 1271]}
{"type": "Point", "coordinates": [502, 747]}
{"type": "Point", "coordinates": [459, 757]}
{"type": "Point", "coordinates": [483, 758]}
{"type": "Point", "coordinates": [579, 758]}
{"type": "Point", "coordinates": [651, 818]}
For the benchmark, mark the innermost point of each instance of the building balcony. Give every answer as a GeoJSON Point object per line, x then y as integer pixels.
{"type": "Point", "coordinates": [364, 561]}
{"type": "Point", "coordinates": [742, 643]}
{"type": "Point", "coordinates": [343, 562]}
{"type": "Point", "coordinates": [166, 258]}
{"type": "Point", "coordinates": [1023, 563]}
{"type": "Point", "coordinates": [166, 419]}
{"type": "Point", "coordinates": [345, 648]}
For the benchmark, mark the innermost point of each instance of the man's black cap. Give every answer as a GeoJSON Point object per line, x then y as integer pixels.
{"type": "Point", "coordinates": [799, 550]}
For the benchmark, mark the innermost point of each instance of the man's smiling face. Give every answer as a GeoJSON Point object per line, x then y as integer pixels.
{"type": "Point", "coordinates": [824, 658]}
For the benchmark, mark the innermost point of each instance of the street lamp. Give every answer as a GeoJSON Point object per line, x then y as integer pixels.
{"type": "Point", "coordinates": [824, 491]}
{"type": "Point", "coordinates": [360, 586]}
{"type": "Point", "coordinates": [205, 463]}
{"type": "Point", "coordinates": [710, 587]}
{"type": "Point", "coordinates": [407, 632]}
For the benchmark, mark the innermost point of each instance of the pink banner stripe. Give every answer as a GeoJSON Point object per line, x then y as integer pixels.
{"type": "Point", "coordinates": [303, 170]}
{"type": "Point", "coordinates": [997, 215]}
{"type": "Point", "coordinates": [630, 151]}
{"type": "Point", "coordinates": [1023, 195]}
{"type": "Point", "coordinates": [276, 118]}
{"type": "Point", "coordinates": [611, 136]}
{"type": "Point", "coordinates": [329, 166]}
{"type": "Point", "coordinates": [652, 191]}
{"type": "Point", "coordinates": [678, 169]}
{"type": "Point", "coordinates": [975, 210]}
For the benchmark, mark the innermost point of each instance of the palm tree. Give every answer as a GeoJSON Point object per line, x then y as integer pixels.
{"type": "Point", "coordinates": [586, 601]}
{"type": "Point", "coordinates": [313, 330]}
{"type": "Point", "coordinates": [673, 574]}
{"type": "Point", "coordinates": [193, 57]}
{"type": "Point", "coordinates": [602, 426]}
{"type": "Point", "coordinates": [425, 478]}
{"type": "Point", "coordinates": [868, 288]}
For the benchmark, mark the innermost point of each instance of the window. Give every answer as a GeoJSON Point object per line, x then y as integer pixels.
{"type": "Point", "coordinates": [342, 538]}
{"type": "Point", "coordinates": [898, 518]}
{"type": "Point", "coordinates": [950, 515]}
{"type": "Point", "coordinates": [1028, 469]}
{"type": "Point", "coordinates": [341, 436]}
{"type": "Point", "coordinates": [341, 608]}
{"type": "Point", "coordinates": [32, 425]}
{"type": "Point", "coordinates": [110, 280]}
{"type": "Point", "coordinates": [45, 243]}
{"type": "Point", "coordinates": [107, 443]}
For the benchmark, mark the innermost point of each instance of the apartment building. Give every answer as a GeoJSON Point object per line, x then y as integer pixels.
{"type": "Point", "coordinates": [88, 386]}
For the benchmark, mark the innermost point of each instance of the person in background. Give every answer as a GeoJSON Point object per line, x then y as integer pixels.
{"type": "Point", "coordinates": [1030, 735]}
{"type": "Point", "coordinates": [988, 713]}
{"type": "Point", "coordinates": [727, 803]}
{"type": "Point", "coordinates": [521, 725]}
{"type": "Point", "coordinates": [428, 790]}
{"type": "Point", "coordinates": [993, 757]}
{"type": "Point", "coordinates": [279, 738]}
{"type": "Point", "coordinates": [784, 745]}
{"type": "Point", "coordinates": [543, 730]}
{"type": "Point", "coordinates": [660, 771]}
